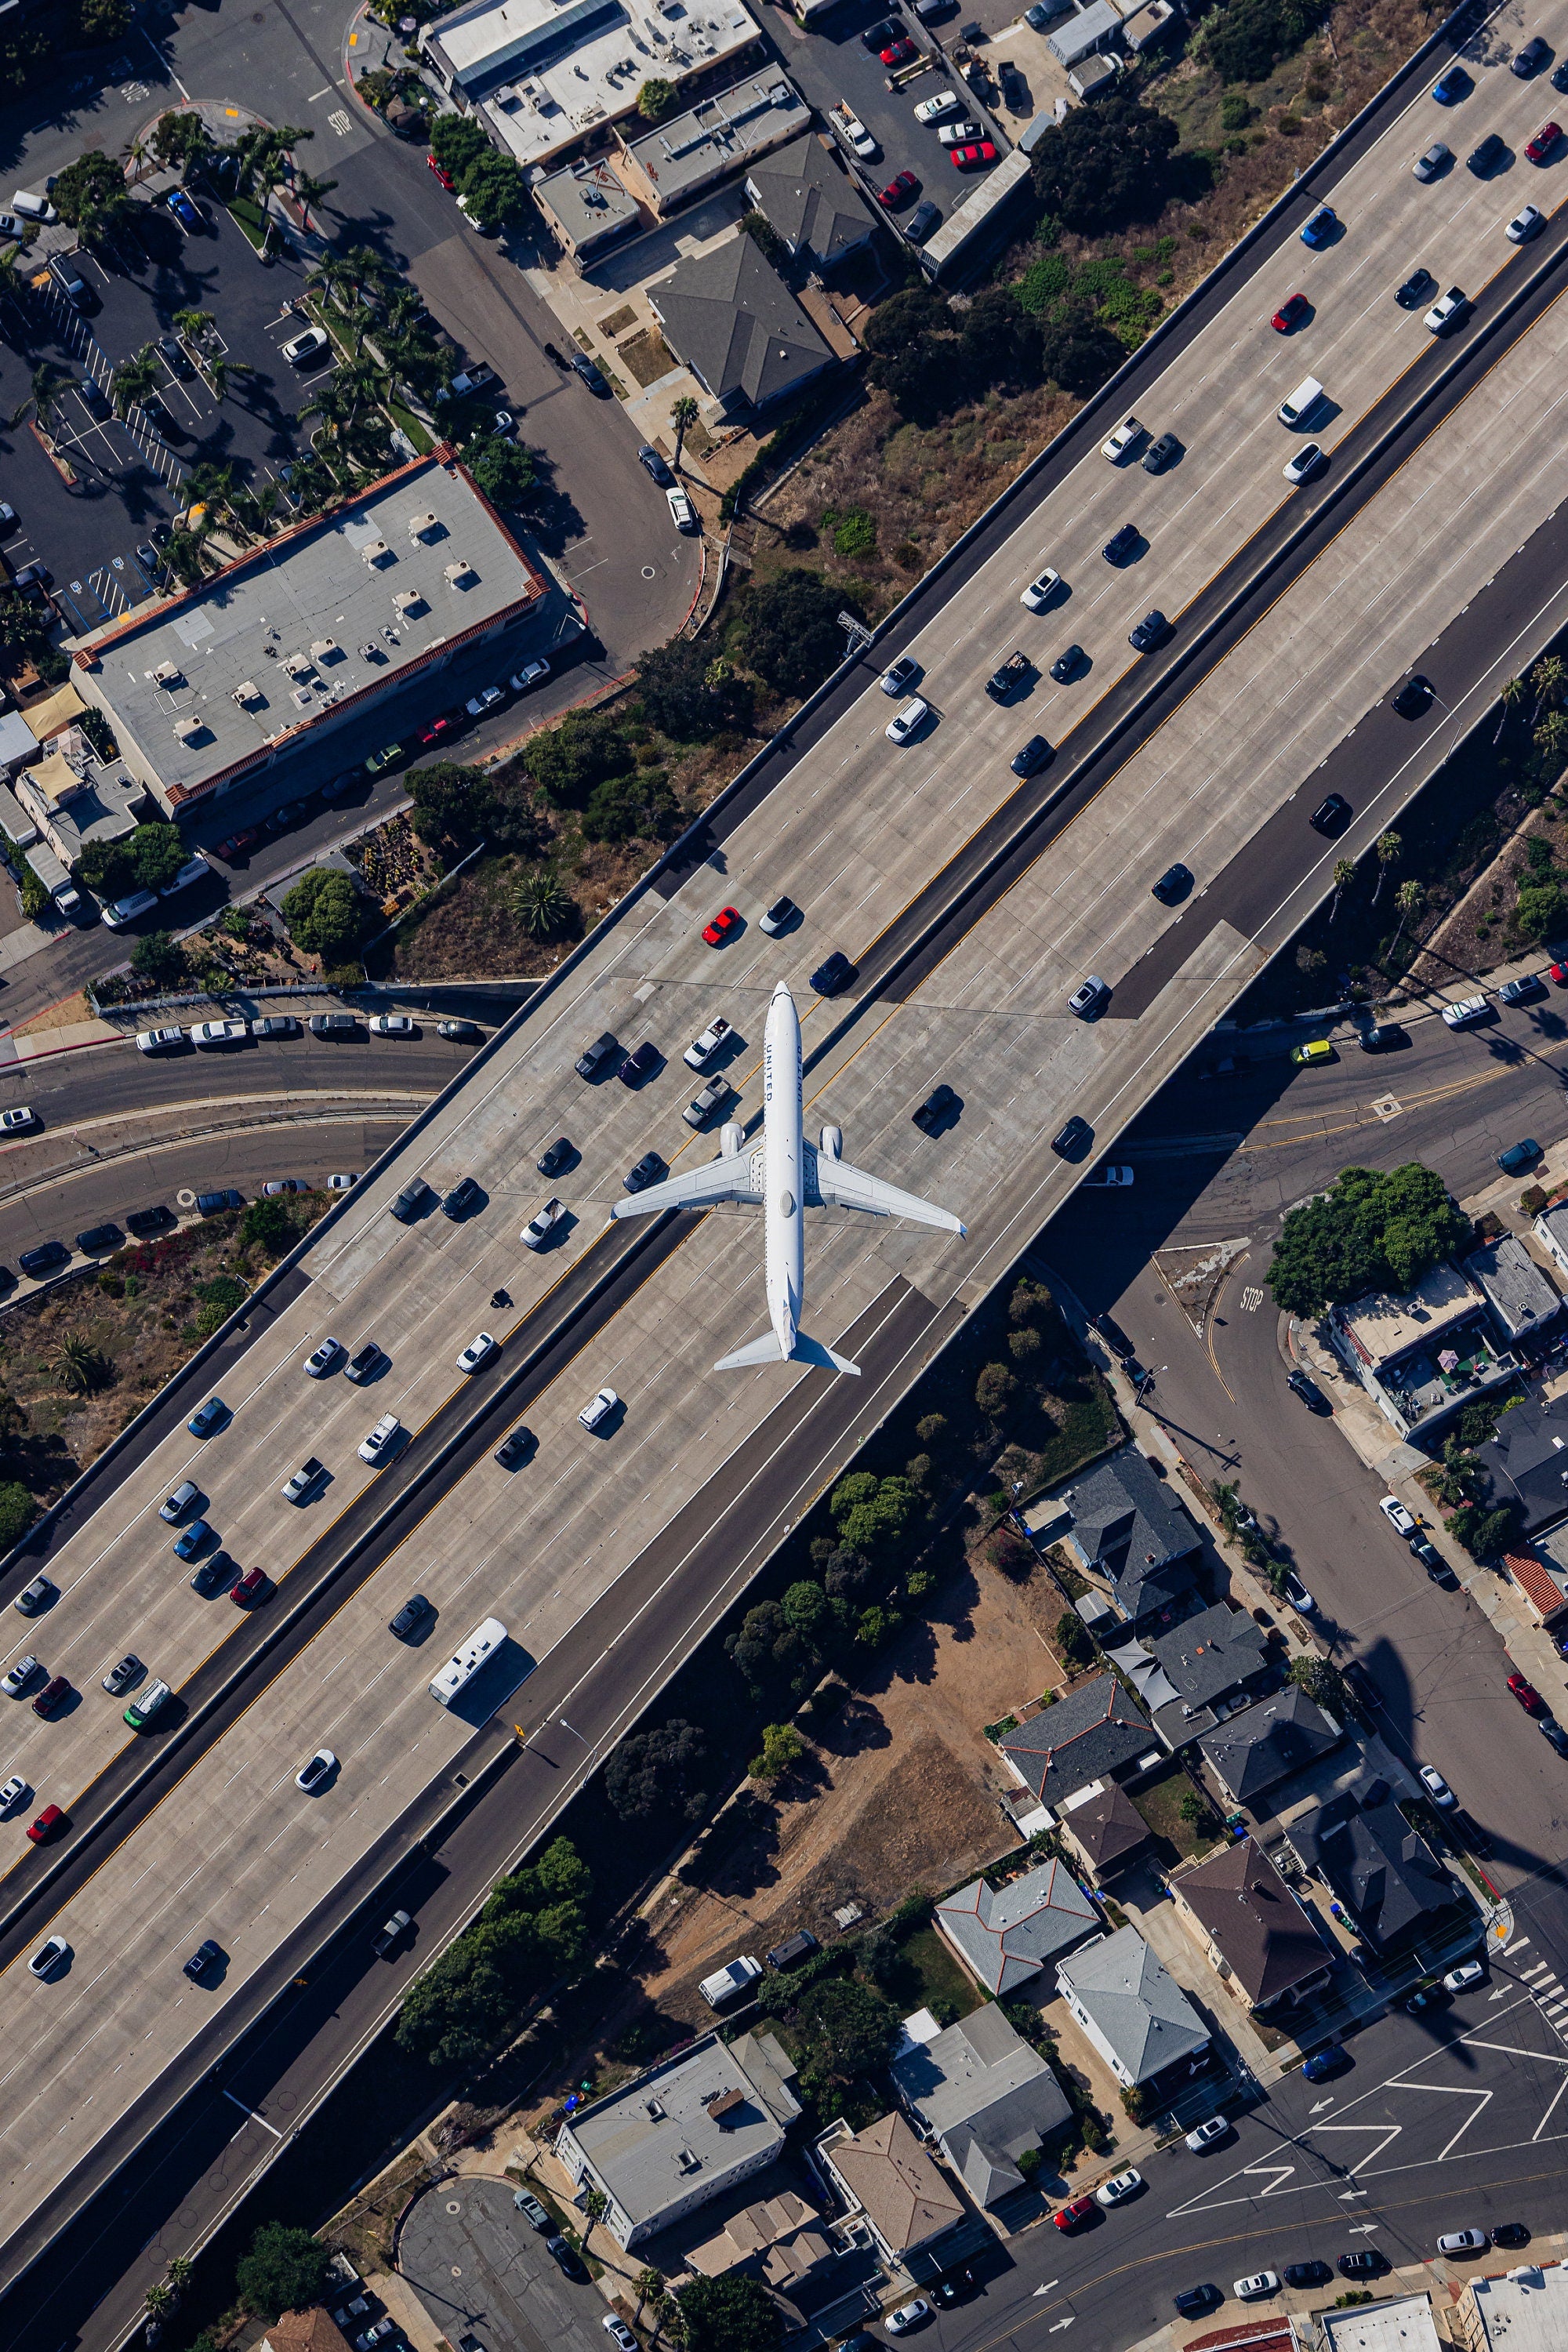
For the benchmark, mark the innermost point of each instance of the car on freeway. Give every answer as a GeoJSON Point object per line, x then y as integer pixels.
{"type": "Point", "coordinates": [208, 1417]}
{"type": "Point", "coordinates": [1108, 1178]}
{"type": "Point", "coordinates": [909, 2314]}
{"type": "Point", "coordinates": [938, 108]}
{"type": "Point", "coordinates": [1192, 2302]}
{"type": "Point", "coordinates": [1367, 2263]}
{"type": "Point", "coordinates": [1042, 591]}
{"type": "Point", "coordinates": [544, 1224]}
{"type": "Point", "coordinates": [649, 1169]}
{"type": "Point", "coordinates": [47, 1956]}
{"type": "Point", "coordinates": [702, 1050]}
{"type": "Point", "coordinates": [1068, 664]}
{"type": "Point", "coordinates": [702, 1106]}
{"type": "Point", "coordinates": [1519, 1157]}
{"type": "Point", "coordinates": [1007, 677]}
{"type": "Point", "coordinates": [1290, 313]}
{"type": "Point", "coordinates": [1259, 2284]}
{"type": "Point", "coordinates": [1119, 2188]}
{"type": "Point", "coordinates": [306, 346]}
{"type": "Point", "coordinates": [972, 157]}
{"type": "Point", "coordinates": [12, 1792]}
{"type": "Point", "coordinates": [1306, 465]}
{"type": "Point", "coordinates": [1525, 225]}
{"type": "Point", "coordinates": [1308, 2273]}
{"type": "Point", "coordinates": [17, 1676]}
{"type": "Point", "coordinates": [14, 1122]}
{"type": "Point", "coordinates": [591, 1061]}
{"type": "Point", "coordinates": [1160, 454]}
{"type": "Point", "coordinates": [35, 1596]}
{"type": "Point", "coordinates": [1306, 1388]}
{"type": "Point", "coordinates": [1322, 2063]}
{"type": "Point", "coordinates": [1205, 2135]}
{"type": "Point", "coordinates": [1073, 1140]}
{"type": "Point", "coordinates": [466, 1194]}
{"type": "Point", "coordinates": [319, 1768]}
{"type": "Point", "coordinates": [1398, 1518]}
{"type": "Point", "coordinates": [121, 1677]}
{"type": "Point", "coordinates": [900, 676]}
{"type": "Point", "coordinates": [1529, 1697]}
{"type": "Point", "coordinates": [1032, 756]}
{"type": "Point", "coordinates": [321, 1360]}
{"type": "Point", "coordinates": [717, 932]}
{"type": "Point", "coordinates": [1413, 698]}
{"type": "Point", "coordinates": [835, 973]}
{"type": "Point", "coordinates": [384, 1440]}
{"type": "Point", "coordinates": [204, 1956]}
{"type": "Point", "coordinates": [931, 1115]}
{"type": "Point", "coordinates": [304, 1481]}
{"type": "Point", "coordinates": [1539, 150]}
{"type": "Point", "coordinates": [1452, 86]}
{"type": "Point", "coordinates": [1090, 997]}
{"type": "Point", "coordinates": [1434, 162]}
{"type": "Point", "coordinates": [411, 1616]}
{"type": "Point", "coordinates": [556, 1156]}
{"type": "Point", "coordinates": [1172, 885]}
{"type": "Point", "coordinates": [599, 1411]}
{"type": "Point", "coordinates": [1316, 1049]}
{"type": "Point", "coordinates": [899, 191]}
{"type": "Point", "coordinates": [479, 1351]}
{"type": "Point", "coordinates": [1448, 311]}
{"type": "Point", "coordinates": [1120, 543]}
{"type": "Point", "coordinates": [53, 1697]}
{"type": "Point", "coordinates": [1150, 630]}
{"type": "Point", "coordinates": [1320, 230]}
{"type": "Point", "coordinates": [636, 1067]}
{"type": "Point", "coordinates": [779, 917]}
{"type": "Point", "coordinates": [52, 1823]}
{"type": "Point", "coordinates": [1330, 815]}
{"type": "Point", "coordinates": [1530, 59]}
{"type": "Point", "coordinates": [254, 1586]}
{"type": "Point", "coordinates": [905, 722]}
{"type": "Point", "coordinates": [1484, 160]}
{"type": "Point", "coordinates": [1120, 439]}
{"type": "Point", "coordinates": [1436, 1788]}
{"type": "Point", "coordinates": [1461, 1980]}
{"type": "Point", "coordinates": [212, 1575]}
{"type": "Point", "coordinates": [195, 1538]}
{"type": "Point", "coordinates": [184, 1498]}
{"type": "Point", "coordinates": [515, 1446]}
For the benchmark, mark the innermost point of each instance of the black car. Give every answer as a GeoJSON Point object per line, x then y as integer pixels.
{"type": "Point", "coordinates": [1306, 1388]}
{"type": "Point", "coordinates": [638, 1065]}
{"type": "Point", "coordinates": [99, 1238]}
{"type": "Point", "coordinates": [1331, 816]}
{"type": "Point", "coordinates": [648, 457]}
{"type": "Point", "coordinates": [1159, 454]}
{"type": "Point", "coordinates": [514, 1447]}
{"type": "Point", "coordinates": [590, 374]}
{"type": "Point", "coordinates": [1068, 664]}
{"type": "Point", "coordinates": [1035, 754]}
{"type": "Point", "coordinates": [935, 1109]}
{"type": "Point", "coordinates": [649, 1169]}
{"type": "Point", "coordinates": [466, 1032]}
{"type": "Point", "coordinates": [1114, 1336]}
{"type": "Point", "coordinates": [414, 1199]}
{"type": "Point", "coordinates": [1378, 1037]}
{"type": "Point", "coordinates": [956, 2288]}
{"type": "Point", "coordinates": [1193, 2301]}
{"type": "Point", "coordinates": [202, 1959]}
{"type": "Point", "coordinates": [882, 36]}
{"type": "Point", "coordinates": [462, 1197]}
{"type": "Point", "coordinates": [1174, 883]}
{"type": "Point", "coordinates": [551, 1162]}
{"type": "Point", "coordinates": [1120, 542]}
{"type": "Point", "coordinates": [410, 1617]}
{"type": "Point", "coordinates": [1003, 682]}
{"type": "Point", "coordinates": [1152, 631]}
{"type": "Point", "coordinates": [41, 1259]}
{"type": "Point", "coordinates": [1487, 156]}
{"type": "Point", "coordinates": [158, 417]}
{"type": "Point", "coordinates": [589, 1063]}
{"type": "Point", "coordinates": [1559, 76]}
{"type": "Point", "coordinates": [175, 358]}
{"type": "Point", "coordinates": [1074, 1139]}
{"type": "Point", "coordinates": [213, 1574]}
{"type": "Point", "coordinates": [1367, 2263]}
{"type": "Point", "coordinates": [1531, 58]}
{"type": "Point", "coordinates": [1414, 697]}
{"type": "Point", "coordinates": [570, 2259]}
{"type": "Point", "coordinates": [1306, 2273]}
{"type": "Point", "coordinates": [1416, 289]}
{"type": "Point", "coordinates": [836, 973]}
{"type": "Point", "coordinates": [94, 396]}
{"type": "Point", "coordinates": [1511, 2233]}
{"type": "Point", "coordinates": [1552, 1731]}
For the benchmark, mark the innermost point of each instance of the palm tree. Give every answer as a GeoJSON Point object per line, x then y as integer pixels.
{"type": "Point", "coordinates": [182, 2269]}
{"type": "Point", "coordinates": [1550, 737]}
{"type": "Point", "coordinates": [539, 903]}
{"type": "Point", "coordinates": [1510, 696]}
{"type": "Point", "coordinates": [683, 417]}
{"type": "Point", "coordinates": [1344, 874]}
{"type": "Point", "coordinates": [1409, 898]}
{"type": "Point", "coordinates": [81, 1366]}
{"type": "Point", "coordinates": [49, 382]}
{"type": "Point", "coordinates": [133, 379]}
{"type": "Point", "coordinates": [219, 373]}
{"type": "Point", "coordinates": [1547, 679]}
{"type": "Point", "coordinates": [310, 190]}
{"type": "Point", "coordinates": [333, 276]}
{"type": "Point", "coordinates": [159, 2299]}
{"type": "Point", "coordinates": [650, 2286]}
{"type": "Point", "coordinates": [194, 325]}
{"type": "Point", "coordinates": [595, 2205]}
{"type": "Point", "coordinates": [1388, 847]}
{"type": "Point", "coordinates": [1457, 1477]}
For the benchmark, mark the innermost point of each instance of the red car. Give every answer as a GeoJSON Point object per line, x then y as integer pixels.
{"type": "Point", "coordinates": [1526, 1693]}
{"type": "Point", "coordinates": [1067, 2217]}
{"type": "Point", "coordinates": [1558, 973]}
{"type": "Point", "coordinates": [53, 1695]}
{"type": "Point", "coordinates": [901, 53]}
{"type": "Point", "coordinates": [899, 191]}
{"type": "Point", "coordinates": [238, 844]}
{"type": "Point", "coordinates": [50, 1824]}
{"type": "Point", "coordinates": [966, 158]}
{"type": "Point", "coordinates": [715, 933]}
{"type": "Point", "coordinates": [432, 731]}
{"type": "Point", "coordinates": [441, 173]}
{"type": "Point", "coordinates": [253, 1585]}
{"type": "Point", "coordinates": [1544, 141]}
{"type": "Point", "coordinates": [1290, 313]}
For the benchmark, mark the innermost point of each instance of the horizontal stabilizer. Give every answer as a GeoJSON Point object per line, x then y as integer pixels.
{"type": "Point", "coordinates": [766, 1350]}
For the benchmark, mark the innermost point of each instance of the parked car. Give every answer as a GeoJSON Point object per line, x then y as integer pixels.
{"type": "Point", "coordinates": [1260, 2283]}
{"type": "Point", "coordinates": [1205, 2135]}
{"type": "Point", "coordinates": [1461, 1980]}
{"type": "Point", "coordinates": [1398, 1518]}
{"type": "Point", "coordinates": [1074, 2214]}
{"type": "Point", "coordinates": [1519, 1157]}
{"type": "Point", "coordinates": [1436, 1788]}
{"type": "Point", "coordinates": [1529, 1697]}
{"type": "Point", "coordinates": [1324, 2063]}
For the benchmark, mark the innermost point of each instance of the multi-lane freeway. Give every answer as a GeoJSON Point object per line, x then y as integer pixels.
{"type": "Point", "coordinates": [972, 908]}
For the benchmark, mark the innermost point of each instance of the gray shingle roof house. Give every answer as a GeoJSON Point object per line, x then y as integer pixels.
{"type": "Point", "coordinates": [1387, 1877]}
{"type": "Point", "coordinates": [1129, 1527]}
{"type": "Point", "coordinates": [1518, 1294]}
{"type": "Point", "coordinates": [812, 203]}
{"type": "Point", "coordinates": [1264, 1743]}
{"type": "Point", "coordinates": [1527, 1462]}
{"type": "Point", "coordinates": [985, 2096]}
{"type": "Point", "coordinates": [1107, 1828]}
{"type": "Point", "coordinates": [1207, 1656]}
{"type": "Point", "coordinates": [1136, 2015]}
{"type": "Point", "coordinates": [732, 319]}
{"type": "Point", "coordinates": [1253, 1926]}
{"type": "Point", "coordinates": [1005, 1935]}
{"type": "Point", "coordinates": [1092, 1733]}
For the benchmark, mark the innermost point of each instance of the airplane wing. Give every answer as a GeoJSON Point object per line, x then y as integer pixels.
{"type": "Point", "coordinates": [727, 1178]}
{"type": "Point", "coordinates": [840, 1186]}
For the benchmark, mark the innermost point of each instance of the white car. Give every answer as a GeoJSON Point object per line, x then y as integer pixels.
{"type": "Point", "coordinates": [276, 1187]}
{"type": "Point", "coordinates": [914, 714]}
{"type": "Point", "coordinates": [532, 674]}
{"type": "Point", "coordinates": [321, 1360]}
{"type": "Point", "coordinates": [682, 513]}
{"type": "Point", "coordinates": [477, 705]}
{"type": "Point", "coordinates": [1121, 2185]}
{"type": "Point", "coordinates": [1247, 2290]}
{"type": "Point", "coordinates": [1043, 591]}
{"type": "Point", "coordinates": [1445, 309]}
{"type": "Point", "coordinates": [959, 134]}
{"type": "Point", "coordinates": [159, 1041]}
{"type": "Point", "coordinates": [1525, 225]}
{"type": "Point", "coordinates": [341, 1184]}
{"type": "Point", "coordinates": [938, 108]}
{"type": "Point", "coordinates": [306, 346]}
{"type": "Point", "coordinates": [1107, 1178]}
{"type": "Point", "coordinates": [1300, 1600]}
{"type": "Point", "coordinates": [13, 1121]}
{"type": "Point", "coordinates": [855, 132]}
{"type": "Point", "coordinates": [1119, 443]}
{"type": "Point", "coordinates": [702, 1050]}
{"type": "Point", "coordinates": [540, 1226]}
{"type": "Point", "coordinates": [620, 2333]}
{"type": "Point", "coordinates": [392, 1024]}
{"type": "Point", "coordinates": [33, 208]}
{"type": "Point", "coordinates": [1459, 1979]}
{"type": "Point", "coordinates": [1398, 1518]}
{"type": "Point", "coordinates": [479, 1351]}
{"type": "Point", "coordinates": [219, 1033]}
{"type": "Point", "coordinates": [12, 1792]}
{"type": "Point", "coordinates": [1206, 2133]}
{"type": "Point", "coordinates": [1460, 2241]}
{"type": "Point", "coordinates": [312, 1774]}
{"type": "Point", "coordinates": [908, 2316]}
{"type": "Point", "coordinates": [603, 1404]}
{"type": "Point", "coordinates": [381, 1441]}
{"type": "Point", "coordinates": [47, 1956]}
{"type": "Point", "coordinates": [1305, 462]}
{"type": "Point", "coordinates": [118, 912]}
{"type": "Point", "coordinates": [1436, 1788]}
{"type": "Point", "coordinates": [195, 869]}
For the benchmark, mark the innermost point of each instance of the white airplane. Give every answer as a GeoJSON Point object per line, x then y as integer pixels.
{"type": "Point", "coordinates": [782, 1176]}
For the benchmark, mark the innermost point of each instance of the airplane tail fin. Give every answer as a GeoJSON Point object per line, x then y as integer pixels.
{"type": "Point", "coordinates": [766, 1350]}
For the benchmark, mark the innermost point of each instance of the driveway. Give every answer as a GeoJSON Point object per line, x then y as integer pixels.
{"type": "Point", "coordinates": [480, 2270]}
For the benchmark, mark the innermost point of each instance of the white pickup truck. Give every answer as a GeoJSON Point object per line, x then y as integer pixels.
{"type": "Point", "coordinates": [853, 131]}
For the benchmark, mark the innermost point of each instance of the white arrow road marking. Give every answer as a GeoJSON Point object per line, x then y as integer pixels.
{"type": "Point", "coordinates": [1056, 2325]}
{"type": "Point", "coordinates": [1502, 1993]}
{"type": "Point", "coordinates": [1320, 2105]}
{"type": "Point", "coordinates": [1048, 2286]}
{"type": "Point", "coordinates": [1349, 2196]}
{"type": "Point", "coordinates": [1364, 2229]}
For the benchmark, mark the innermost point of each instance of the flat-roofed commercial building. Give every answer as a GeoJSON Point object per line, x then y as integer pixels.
{"type": "Point", "coordinates": [305, 642]}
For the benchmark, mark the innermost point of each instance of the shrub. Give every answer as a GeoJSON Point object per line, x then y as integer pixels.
{"type": "Point", "coordinates": [994, 1390]}
{"type": "Point", "coordinates": [324, 915]}
{"type": "Point", "coordinates": [269, 1225]}
{"type": "Point", "coordinates": [783, 1749]}
{"type": "Point", "coordinates": [786, 629]}
{"type": "Point", "coordinates": [855, 533]}
{"type": "Point", "coordinates": [660, 1773]}
{"type": "Point", "coordinates": [689, 696]}
{"type": "Point", "coordinates": [729, 2313]}
{"type": "Point", "coordinates": [639, 807]}
{"type": "Point", "coordinates": [17, 1512]}
{"type": "Point", "coordinates": [568, 761]}
{"type": "Point", "coordinates": [1107, 165]}
{"type": "Point", "coordinates": [159, 958]}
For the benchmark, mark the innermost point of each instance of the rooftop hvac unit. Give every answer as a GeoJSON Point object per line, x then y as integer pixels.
{"type": "Point", "coordinates": [298, 665]}
{"type": "Point", "coordinates": [406, 601]}
{"type": "Point", "coordinates": [189, 731]}
{"type": "Point", "coordinates": [247, 694]}
{"type": "Point", "coordinates": [326, 649]}
{"type": "Point", "coordinates": [461, 570]}
{"type": "Point", "coordinates": [167, 674]}
{"type": "Point", "coordinates": [422, 524]}
{"type": "Point", "coordinates": [300, 698]}
{"type": "Point", "coordinates": [376, 550]}
{"type": "Point", "coordinates": [688, 2159]}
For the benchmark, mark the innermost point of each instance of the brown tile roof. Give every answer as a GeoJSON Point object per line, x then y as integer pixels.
{"type": "Point", "coordinates": [1543, 1596]}
{"type": "Point", "coordinates": [304, 2331]}
{"type": "Point", "coordinates": [1254, 1919]}
{"type": "Point", "coordinates": [904, 2195]}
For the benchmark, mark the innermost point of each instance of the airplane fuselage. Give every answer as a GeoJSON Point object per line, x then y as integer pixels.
{"type": "Point", "coordinates": [783, 1163]}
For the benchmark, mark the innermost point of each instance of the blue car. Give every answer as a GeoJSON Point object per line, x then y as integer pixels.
{"type": "Point", "coordinates": [1320, 230]}
{"type": "Point", "coordinates": [207, 1417]}
{"type": "Point", "coordinates": [183, 210]}
{"type": "Point", "coordinates": [196, 1538]}
{"type": "Point", "coordinates": [1519, 1157]}
{"type": "Point", "coordinates": [1451, 87]}
{"type": "Point", "coordinates": [1323, 2062]}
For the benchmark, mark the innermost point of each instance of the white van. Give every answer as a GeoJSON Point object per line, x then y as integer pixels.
{"type": "Point", "coordinates": [1467, 1009]}
{"type": "Point", "coordinates": [1302, 406]}
{"type": "Point", "coordinates": [723, 1986]}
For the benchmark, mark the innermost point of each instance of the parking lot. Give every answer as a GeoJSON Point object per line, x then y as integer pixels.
{"type": "Point", "coordinates": [481, 2272]}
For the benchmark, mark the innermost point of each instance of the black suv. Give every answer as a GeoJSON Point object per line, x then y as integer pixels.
{"type": "Point", "coordinates": [1120, 542]}
{"type": "Point", "coordinates": [1331, 816]}
{"type": "Point", "coordinates": [213, 1574]}
{"type": "Point", "coordinates": [1306, 1388]}
{"type": "Point", "coordinates": [1074, 1139]}
{"type": "Point", "coordinates": [552, 1159]}
{"type": "Point", "coordinates": [589, 1065]}
{"type": "Point", "coordinates": [1414, 697]}
{"type": "Point", "coordinates": [1152, 631]}
{"type": "Point", "coordinates": [1174, 883]}
{"type": "Point", "coordinates": [512, 1449]}
{"type": "Point", "coordinates": [41, 1259]}
{"type": "Point", "coordinates": [1480, 160]}
{"type": "Point", "coordinates": [99, 1238]}
{"type": "Point", "coordinates": [1035, 754]}
{"type": "Point", "coordinates": [1159, 454]}
{"type": "Point", "coordinates": [933, 1113]}
{"type": "Point", "coordinates": [836, 973]}
{"type": "Point", "coordinates": [412, 1200]}
{"type": "Point", "coordinates": [412, 1614]}
{"type": "Point", "coordinates": [462, 1197]}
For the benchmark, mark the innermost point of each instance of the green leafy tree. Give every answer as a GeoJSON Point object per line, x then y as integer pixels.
{"type": "Point", "coordinates": [1324, 1684]}
{"type": "Point", "coordinates": [655, 98]}
{"type": "Point", "coordinates": [854, 2026]}
{"type": "Point", "coordinates": [99, 21]}
{"type": "Point", "coordinates": [1541, 908]}
{"type": "Point", "coordinates": [494, 189]}
{"type": "Point", "coordinates": [532, 1929]}
{"type": "Point", "coordinates": [1001, 344]}
{"type": "Point", "coordinates": [323, 914]}
{"type": "Point", "coordinates": [285, 2269]}
{"type": "Point", "coordinates": [787, 628]}
{"type": "Point", "coordinates": [1078, 352]}
{"type": "Point", "coordinates": [271, 1225]}
{"type": "Point", "coordinates": [871, 1513]}
{"type": "Point", "coordinates": [804, 1606]}
{"type": "Point", "coordinates": [585, 749]}
{"type": "Point", "coordinates": [689, 696]}
{"type": "Point", "coordinates": [639, 807]}
{"type": "Point", "coordinates": [730, 2315]}
{"type": "Point", "coordinates": [1485, 1533]}
{"type": "Point", "coordinates": [183, 140]}
{"type": "Point", "coordinates": [1107, 165]}
{"type": "Point", "coordinates": [159, 958]}
{"type": "Point", "coordinates": [504, 470]}
{"type": "Point", "coordinates": [156, 853]}
{"type": "Point", "coordinates": [661, 1773]}
{"type": "Point", "coordinates": [1073, 1645]}
{"type": "Point", "coordinates": [90, 194]}
{"type": "Point", "coordinates": [995, 1390]}
{"type": "Point", "coordinates": [17, 1512]}
{"type": "Point", "coordinates": [456, 141]}
{"type": "Point", "coordinates": [1370, 1230]}
{"type": "Point", "coordinates": [783, 1749]}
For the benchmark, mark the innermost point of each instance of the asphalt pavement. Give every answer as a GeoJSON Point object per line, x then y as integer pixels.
{"type": "Point", "coordinates": [479, 2268]}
